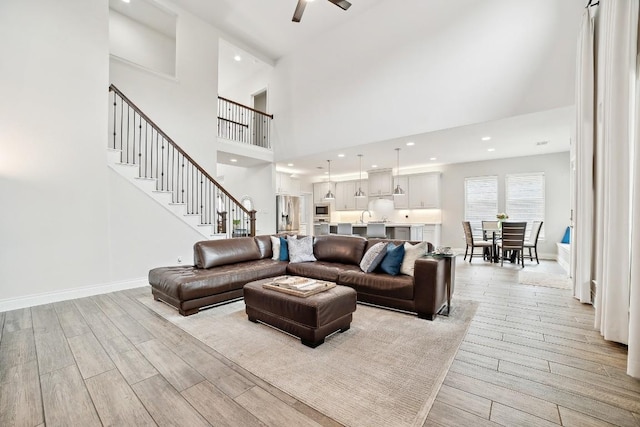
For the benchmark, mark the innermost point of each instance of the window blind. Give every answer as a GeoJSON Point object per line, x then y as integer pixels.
{"type": "Point", "coordinates": [525, 198]}
{"type": "Point", "coordinates": [480, 200]}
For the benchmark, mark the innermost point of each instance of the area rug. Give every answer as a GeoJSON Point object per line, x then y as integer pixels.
{"type": "Point", "coordinates": [549, 280]}
{"type": "Point", "coordinates": [385, 370]}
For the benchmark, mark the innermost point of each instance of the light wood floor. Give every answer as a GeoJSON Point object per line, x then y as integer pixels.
{"type": "Point", "coordinates": [531, 358]}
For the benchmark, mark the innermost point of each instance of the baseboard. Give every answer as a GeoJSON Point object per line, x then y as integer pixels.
{"type": "Point", "coordinates": [67, 294]}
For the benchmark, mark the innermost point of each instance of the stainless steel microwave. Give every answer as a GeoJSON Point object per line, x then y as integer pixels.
{"type": "Point", "coordinates": [322, 210]}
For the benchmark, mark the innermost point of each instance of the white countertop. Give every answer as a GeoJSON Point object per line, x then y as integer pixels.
{"type": "Point", "coordinates": [387, 224]}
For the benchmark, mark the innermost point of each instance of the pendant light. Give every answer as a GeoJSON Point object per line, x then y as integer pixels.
{"type": "Point", "coordinates": [329, 195]}
{"type": "Point", "coordinates": [360, 194]}
{"type": "Point", "coordinates": [398, 191]}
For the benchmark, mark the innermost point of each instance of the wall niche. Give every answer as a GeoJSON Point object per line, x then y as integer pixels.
{"type": "Point", "coordinates": [143, 33]}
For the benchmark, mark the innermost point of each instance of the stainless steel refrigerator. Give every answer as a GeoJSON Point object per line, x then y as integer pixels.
{"type": "Point", "coordinates": [288, 214]}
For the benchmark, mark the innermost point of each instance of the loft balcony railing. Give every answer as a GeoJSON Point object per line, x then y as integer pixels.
{"type": "Point", "coordinates": [142, 143]}
{"type": "Point", "coordinates": [244, 124]}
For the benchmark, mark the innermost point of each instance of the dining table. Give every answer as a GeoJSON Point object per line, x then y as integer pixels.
{"type": "Point", "coordinates": [496, 234]}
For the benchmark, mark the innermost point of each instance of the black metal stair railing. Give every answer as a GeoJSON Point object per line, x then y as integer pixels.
{"type": "Point", "coordinates": [142, 143]}
{"type": "Point", "coordinates": [244, 124]}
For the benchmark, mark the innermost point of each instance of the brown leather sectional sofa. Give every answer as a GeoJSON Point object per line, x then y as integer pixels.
{"type": "Point", "coordinates": [223, 267]}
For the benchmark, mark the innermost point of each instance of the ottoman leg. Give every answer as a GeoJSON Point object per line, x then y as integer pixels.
{"type": "Point", "coordinates": [312, 344]}
{"type": "Point", "coordinates": [345, 329]}
{"type": "Point", "coordinates": [253, 319]}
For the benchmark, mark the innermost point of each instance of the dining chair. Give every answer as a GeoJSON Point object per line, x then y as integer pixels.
{"type": "Point", "coordinates": [512, 240]}
{"type": "Point", "coordinates": [471, 243]}
{"type": "Point", "coordinates": [532, 241]}
{"type": "Point", "coordinates": [345, 228]}
{"type": "Point", "coordinates": [489, 230]}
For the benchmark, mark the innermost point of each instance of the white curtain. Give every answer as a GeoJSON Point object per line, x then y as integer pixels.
{"type": "Point", "coordinates": [633, 361]}
{"type": "Point", "coordinates": [581, 239]}
{"type": "Point", "coordinates": [610, 154]}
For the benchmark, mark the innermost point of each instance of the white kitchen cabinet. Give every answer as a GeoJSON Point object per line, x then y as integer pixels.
{"type": "Point", "coordinates": [401, 202]}
{"type": "Point", "coordinates": [424, 191]}
{"type": "Point", "coordinates": [287, 185]}
{"type": "Point", "coordinates": [432, 234]}
{"type": "Point", "coordinates": [417, 233]}
{"type": "Point", "coordinates": [380, 183]}
{"type": "Point", "coordinates": [319, 191]}
{"type": "Point", "coordinates": [345, 196]}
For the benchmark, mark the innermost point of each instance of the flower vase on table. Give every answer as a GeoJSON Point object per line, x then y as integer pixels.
{"type": "Point", "coordinates": [501, 217]}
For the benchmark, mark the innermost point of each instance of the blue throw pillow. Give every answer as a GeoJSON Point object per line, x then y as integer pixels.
{"type": "Point", "coordinates": [284, 249]}
{"type": "Point", "coordinates": [393, 259]}
{"type": "Point", "coordinates": [567, 236]}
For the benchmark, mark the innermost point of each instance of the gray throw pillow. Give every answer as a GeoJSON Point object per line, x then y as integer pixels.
{"type": "Point", "coordinates": [301, 250]}
{"type": "Point", "coordinates": [373, 257]}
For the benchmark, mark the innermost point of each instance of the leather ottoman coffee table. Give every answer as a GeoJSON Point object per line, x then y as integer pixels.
{"type": "Point", "coordinates": [309, 318]}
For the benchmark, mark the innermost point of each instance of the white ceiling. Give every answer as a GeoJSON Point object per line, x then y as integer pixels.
{"type": "Point", "coordinates": [262, 30]}
{"type": "Point", "coordinates": [266, 26]}
{"type": "Point", "coordinates": [512, 137]}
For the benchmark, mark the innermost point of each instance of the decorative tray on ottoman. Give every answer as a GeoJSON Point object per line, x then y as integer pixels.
{"type": "Point", "coordinates": [298, 286]}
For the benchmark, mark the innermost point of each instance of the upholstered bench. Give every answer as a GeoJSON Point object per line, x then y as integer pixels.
{"type": "Point", "coordinates": [311, 319]}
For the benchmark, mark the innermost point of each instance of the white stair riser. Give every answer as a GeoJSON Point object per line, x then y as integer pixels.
{"type": "Point", "coordinates": [148, 186]}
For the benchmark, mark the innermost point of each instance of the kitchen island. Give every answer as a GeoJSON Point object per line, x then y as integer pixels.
{"type": "Point", "coordinates": [400, 231]}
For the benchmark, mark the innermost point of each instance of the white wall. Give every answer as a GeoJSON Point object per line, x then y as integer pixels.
{"type": "Point", "coordinates": [133, 41]}
{"type": "Point", "coordinates": [69, 225]}
{"type": "Point", "coordinates": [53, 134]}
{"type": "Point", "coordinates": [342, 89]}
{"type": "Point", "coordinates": [242, 91]}
{"type": "Point", "coordinates": [257, 182]}
{"type": "Point", "coordinates": [143, 234]}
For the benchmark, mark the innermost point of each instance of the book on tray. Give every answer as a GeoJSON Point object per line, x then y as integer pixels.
{"type": "Point", "coordinates": [298, 283]}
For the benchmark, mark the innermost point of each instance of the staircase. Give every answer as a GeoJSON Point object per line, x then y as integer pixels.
{"type": "Point", "coordinates": [142, 153]}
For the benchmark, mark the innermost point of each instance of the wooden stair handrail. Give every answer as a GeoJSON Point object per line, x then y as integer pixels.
{"type": "Point", "coordinates": [180, 150]}
{"type": "Point", "coordinates": [244, 106]}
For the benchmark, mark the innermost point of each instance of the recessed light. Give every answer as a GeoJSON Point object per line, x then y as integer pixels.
{"type": "Point", "coordinates": [491, 149]}
{"type": "Point", "coordinates": [233, 160]}
{"type": "Point", "coordinates": [326, 173]}
{"type": "Point", "coordinates": [410, 143]}
{"type": "Point", "coordinates": [237, 58]}
{"type": "Point", "coordinates": [126, 1]}
{"type": "Point", "coordinates": [542, 142]}
{"type": "Point", "coordinates": [486, 138]}
{"type": "Point", "coordinates": [374, 166]}
{"type": "Point", "coordinates": [433, 158]}
{"type": "Point", "coordinates": [289, 164]}
{"type": "Point", "coordinates": [340, 155]}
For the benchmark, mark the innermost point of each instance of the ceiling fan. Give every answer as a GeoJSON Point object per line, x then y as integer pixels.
{"type": "Point", "coordinates": [297, 15]}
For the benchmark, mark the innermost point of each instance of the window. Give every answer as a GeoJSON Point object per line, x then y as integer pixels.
{"type": "Point", "coordinates": [525, 198]}
{"type": "Point", "coordinates": [480, 200]}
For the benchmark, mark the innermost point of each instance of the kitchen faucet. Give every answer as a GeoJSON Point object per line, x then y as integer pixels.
{"type": "Point", "coordinates": [362, 216]}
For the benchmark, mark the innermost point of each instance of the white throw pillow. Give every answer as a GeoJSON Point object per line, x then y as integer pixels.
{"type": "Point", "coordinates": [275, 247]}
{"type": "Point", "coordinates": [301, 250]}
{"type": "Point", "coordinates": [411, 254]}
{"type": "Point", "coordinates": [373, 257]}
